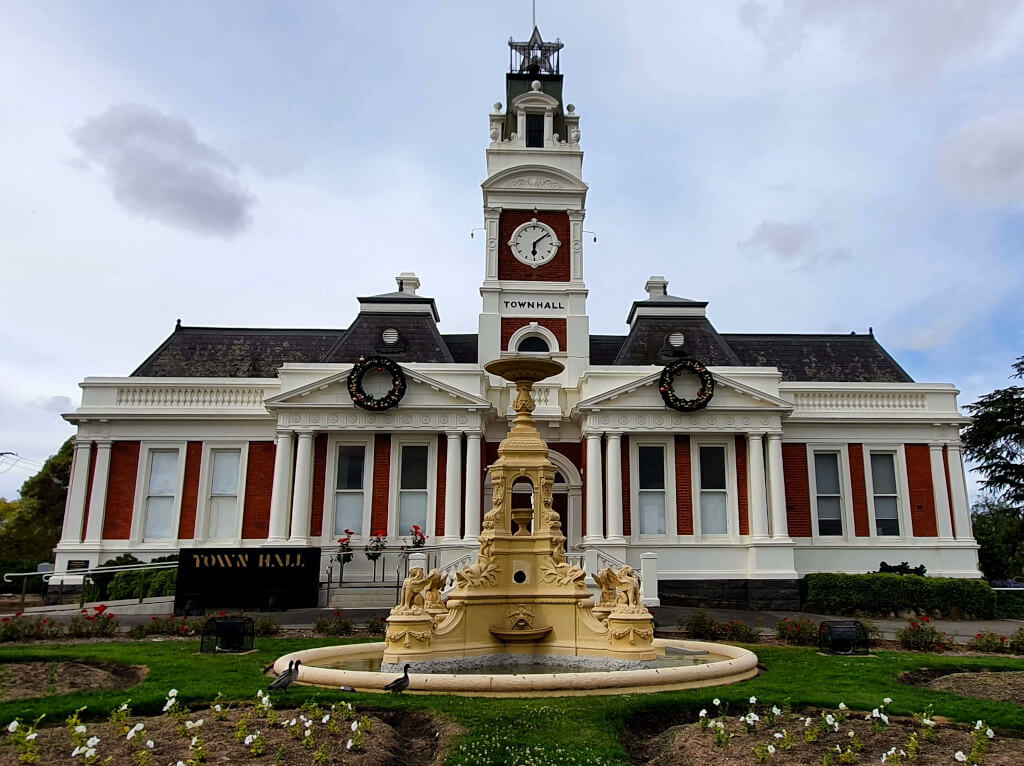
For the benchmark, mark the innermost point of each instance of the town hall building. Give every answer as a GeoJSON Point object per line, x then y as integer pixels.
{"type": "Point", "coordinates": [744, 461]}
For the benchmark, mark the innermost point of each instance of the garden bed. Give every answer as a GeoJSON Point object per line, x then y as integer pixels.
{"type": "Point", "coordinates": [19, 680]}
{"type": "Point", "coordinates": [1004, 686]}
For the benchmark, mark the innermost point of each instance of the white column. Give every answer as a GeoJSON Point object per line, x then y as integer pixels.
{"type": "Point", "coordinates": [944, 522]}
{"type": "Point", "coordinates": [613, 485]}
{"type": "Point", "coordinates": [452, 485]}
{"type": "Point", "coordinates": [649, 578]}
{"type": "Point", "coordinates": [757, 488]}
{"type": "Point", "coordinates": [281, 490]}
{"type": "Point", "coordinates": [302, 492]}
{"type": "Point", "coordinates": [958, 485]}
{"type": "Point", "coordinates": [98, 496]}
{"type": "Point", "coordinates": [777, 489]}
{"type": "Point", "coordinates": [471, 499]}
{"type": "Point", "coordinates": [595, 515]}
{"type": "Point", "coordinates": [74, 509]}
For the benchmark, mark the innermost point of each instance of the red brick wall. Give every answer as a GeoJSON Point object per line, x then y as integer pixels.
{"type": "Point", "coordinates": [558, 270]}
{"type": "Point", "coordinates": [316, 521]}
{"type": "Point", "coordinates": [684, 487]}
{"type": "Point", "coordinates": [259, 482]}
{"type": "Point", "coordinates": [798, 501]}
{"type": "Point", "coordinates": [381, 481]}
{"type": "Point", "coordinates": [509, 326]}
{"type": "Point", "coordinates": [190, 492]}
{"type": "Point", "coordinates": [861, 524]}
{"type": "Point", "coordinates": [742, 487]}
{"type": "Point", "coordinates": [572, 450]}
{"type": "Point", "coordinates": [90, 477]}
{"type": "Point", "coordinates": [124, 470]}
{"type": "Point", "coordinates": [442, 483]}
{"type": "Point", "coordinates": [627, 518]}
{"type": "Point", "coordinates": [919, 485]}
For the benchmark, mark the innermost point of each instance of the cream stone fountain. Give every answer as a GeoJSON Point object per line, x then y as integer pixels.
{"type": "Point", "coordinates": [522, 604]}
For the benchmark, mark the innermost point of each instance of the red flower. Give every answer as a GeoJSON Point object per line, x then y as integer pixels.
{"type": "Point", "coordinates": [926, 619]}
{"type": "Point", "coordinates": [343, 540]}
{"type": "Point", "coordinates": [416, 527]}
{"type": "Point", "coordinates": [1002, 639]}
{"type": "Point", "coordinates": [379, 533]}
{"type": "Point", "coordinates": [349, 532]}
{"type": "Point", "coordinates": [221, 614]}
{"type": "Point", "coordinates": [154, 617]}
{"type": "Point", "coordinates": [337, 613]}
{"type": "Point", "coordinates": [6, 619]}
{"type": "Point", "coordinates": [100, 609]}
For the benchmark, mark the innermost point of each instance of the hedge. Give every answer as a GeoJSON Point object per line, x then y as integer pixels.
{"type": "Point", "coordinates": [143, 583]}
{"type": "Point", "coordinates": [829, 593]}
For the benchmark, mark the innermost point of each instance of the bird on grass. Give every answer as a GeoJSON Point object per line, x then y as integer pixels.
{"type": "Point", "coordinates": [287, 678]}
{"type": "Point", "coordinates": [399, 685]}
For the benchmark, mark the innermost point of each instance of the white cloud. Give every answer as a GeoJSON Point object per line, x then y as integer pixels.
{"type": "Point", "coordinates": [984, 160]}
{"type": "Point", "coordinates": [158, 168]}
{"type": "Point", "coordinates": [796, 243]}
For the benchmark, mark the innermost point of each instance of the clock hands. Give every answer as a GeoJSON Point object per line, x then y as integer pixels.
{"type": "Point", "coordinates": [542, 236]}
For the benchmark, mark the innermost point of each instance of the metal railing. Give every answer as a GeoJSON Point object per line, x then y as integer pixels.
{"type": "Point", "coordinates": [87, 577]}
{"type": "Point", "coordinates": [385, 573]}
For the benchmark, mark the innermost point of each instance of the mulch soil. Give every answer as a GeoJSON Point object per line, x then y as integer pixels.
{"type": "Point", "coordinates": [1003, 686]}
{"type": "Point", "coordinates": [47, 679]}
{"type": "Point", "coordinates": [676, 740]}
{"type": "Point", "coordinates": [393, 738]}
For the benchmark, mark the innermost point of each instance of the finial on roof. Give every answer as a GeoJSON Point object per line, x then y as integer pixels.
{"type": "Point", "coordinates": [408, 282]}
{"type": "Point", "coordinates": [656, 287]}
{"type": "Point", "coordinates": [177, 325]}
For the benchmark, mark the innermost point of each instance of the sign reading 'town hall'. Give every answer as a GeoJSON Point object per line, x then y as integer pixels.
{"type": "Point", "coordinates": [238, 578]}
{"type": "Point", "coordinates": [533, 304]}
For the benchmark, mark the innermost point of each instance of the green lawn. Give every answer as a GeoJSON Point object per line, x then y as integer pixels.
{"type": "Point", "coordinates": [563, 730]}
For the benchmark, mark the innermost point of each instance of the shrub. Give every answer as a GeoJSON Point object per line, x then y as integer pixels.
{"type": "Point", "coordinates": [988, 642]}
{"type": "Point", "coordinates": [375, 625]}
{"type": "Point", "coordinates": [265, 626]}
{"type": "Point", "coordinates": [903, 568]}
{"type": "Point", "coordinates": [700, 626]}
{"type": "Point", "coordinates": [1016, 642]}
{"type": "Point", "coordinates": [335, 626]}
{"type": "Point", "coordinates": [94, 623]}
{"type": "Point", "coordinates": [739, 631]}
{"type": "Point", "coordinates": [799, 632]}
{"type": "Point", "coordinates": [22, 628]}
{"type": "Point", "coordinates": [167, 626]}
{"type": "Point", "coordinates": [922, 636]}
{"type": "Point", "coordinates": [144, 583]}
{"type": "Point", "coordinates": [832, 593]}
{"type": "Point", "coordinates": [98, 588]}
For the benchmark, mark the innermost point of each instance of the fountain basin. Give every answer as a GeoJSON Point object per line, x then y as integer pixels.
{"type": "Point", "coordinates": [738, 665]}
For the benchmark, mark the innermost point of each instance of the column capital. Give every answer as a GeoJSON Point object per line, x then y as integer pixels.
{"type": "Point", "coordinates": [453, 435]}
{"type": "Point", "coordinates": [774, 436]}
{"type": "Point", "coordinates": [288, 433]}
{"type": "Point", "coordinates": [103, 443]}
{"type": "Point", "coordinates": [305, 434]}
{"type": "Point", "coordinates": [473, 434]}
{"type": "Point", "coordinates": [576, 215]}
{"type": "Point", "coordinates": [595, 435]}
{"type": "Point", "coordinates": [613, 434]}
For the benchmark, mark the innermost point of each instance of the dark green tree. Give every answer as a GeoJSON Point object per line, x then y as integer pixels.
{"type": "Point", "coordinates": [32, 524]}
{"type": "Point", "coordinates": [999, 530]}
{"type": "Point", "coordinates": [994, 442]}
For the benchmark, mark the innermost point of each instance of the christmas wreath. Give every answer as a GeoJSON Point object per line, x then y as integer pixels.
{"type": "Point", "coordinates": [666, 385]}
{"type": "Point", "coordinates": [362, 399]}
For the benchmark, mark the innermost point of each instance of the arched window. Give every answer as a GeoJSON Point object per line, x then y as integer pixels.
{"type": "Point", "coordinates": [533, 343]}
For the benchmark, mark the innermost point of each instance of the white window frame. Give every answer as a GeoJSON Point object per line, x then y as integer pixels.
{"type": "Point", "coordinates": [397, 442]}
{"type": "Point", "coordinates": [536, 330]}
{"type": "Point", "coordinates": [203, 510]}
{"type": "Point", "coordinates": [667, 444]}
{"type": "Point", "coordinates": [845, 491]}
{"type": "Point", "coordinates": [146, 450]}
{"type": "Point", "coordinates": [732, 504]}
{"type": "Point", "coordinates": [902, 492]}
{"type": "Point", "coordinates": [331, 486]}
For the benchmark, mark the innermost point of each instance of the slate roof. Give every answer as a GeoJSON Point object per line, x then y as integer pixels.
{"type": "Point", "coordinates": [647, 342]}
{"type": "Point", "coordinates": [819, 358]}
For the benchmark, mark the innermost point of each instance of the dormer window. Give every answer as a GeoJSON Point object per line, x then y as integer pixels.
{"type": "Point", "coordinates": [535, 130]}
{"type": "Point", "coordinates": [533, 344]}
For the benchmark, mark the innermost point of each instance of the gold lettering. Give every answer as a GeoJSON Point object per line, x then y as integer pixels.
{"type": "Point", "coordinates": [264, 560]}
{"type": "Point", "coordinates": [195, 560]}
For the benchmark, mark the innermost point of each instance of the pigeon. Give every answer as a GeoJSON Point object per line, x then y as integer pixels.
{"type": "Point", "coordinates": [287, 678]}
{"type": "Point", "coordinates": [399, 685]}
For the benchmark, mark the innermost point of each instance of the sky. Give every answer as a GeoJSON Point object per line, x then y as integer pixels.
{"type": "Point", "coordinates": [805, 166]}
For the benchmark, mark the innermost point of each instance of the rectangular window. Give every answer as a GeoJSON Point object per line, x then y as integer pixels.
{"type": "Point", "coordinates": [412, 489]}
{"type": "Point", "coordinates": [714, 517]}
{"type": "Point", "coordinates": [826, 479]}
{"type": "Point", "coordinates": [651, 489]}
{"type": "Point", "coordinates": [535, 130]}
{"type": "Point", "coordinates": [224, 494]}
{"type": "Point", "coordinates": [348, 494]}
{"type": "Point", "coordinates": [161, 489]}
{"type": "Point", "coordinates": [883, 483]}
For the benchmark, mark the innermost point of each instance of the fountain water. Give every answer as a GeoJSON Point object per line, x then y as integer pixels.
{"type": "Point", "coordinates": [523, 603]}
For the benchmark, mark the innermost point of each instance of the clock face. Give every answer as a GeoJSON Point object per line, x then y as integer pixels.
{"type": "Point", "coordinates": [534, 243]}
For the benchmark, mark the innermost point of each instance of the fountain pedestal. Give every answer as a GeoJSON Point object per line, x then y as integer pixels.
{"type": "Point", "coordinates": [521, 597]}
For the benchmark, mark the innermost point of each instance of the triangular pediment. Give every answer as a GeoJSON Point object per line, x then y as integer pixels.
{"type": "Point", "coordinates": [533, 178]}
{"type": "Point", "coordinates": [642, 393]}
{"type": "Point", "coordinates": [422, 391]}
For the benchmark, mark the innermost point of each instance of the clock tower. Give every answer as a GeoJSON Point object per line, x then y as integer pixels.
{"type": "Point", "coordinates": [534, 298]}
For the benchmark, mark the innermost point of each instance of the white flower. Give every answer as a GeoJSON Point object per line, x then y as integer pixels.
{"type": "Point", "coordinates": [180, 763]}
{"type": "Point", "coordinates": [959, 756]}
{"type": "Point", "coordinates": [139, 726]}
{"type": "Point", "coordinates": [751, 717]}
{"type": "Point", "coordinates": [978, 725]}
{"type": "Point", "coordinates": [93, 741]}
{"type": "Point", "coordinates": [885, 719]}
{"type": "Point", "coordinates": [355, 726]}
{"type": "Point", "coordinates": [990, 734]}
{"type": "Point", "coordinates": [778, 735]}
{"type": "Point", "coordinates": [217, 708]}
{"type": "Point", "coordinates": [775, 710]}
{"type": "Point", "coordinates": [12, 726]}
{"type": "Point", "coordinates": [716, 702]}
{"type": "Point", "coordinates": [259, 693]}
{"type": "Point", "coordinates": [928, 722]}
{"type": "Point", "coordinates": [194, 740]}
{"type": "Point", "coordinates": [89, 752]}
{"type": "Point", "coordinates": [80, 729]}
{"type": "Point", "coordinates": [849, 733]}
{"type": "Point", "coordinates": [150, 744]}
{"type": "Point", "coordinates": [249, 738]}
{"type": "Point", "coordinates": [842, 706]}
{"type": "Point", "coordinates": [326, 718]}
{"type": "Point", "coordinates": [348, 745]}
{"type": "Point", "coordinates": [830, 719]}
{"type": "Point", "coordinates": [167, 705]}
{"type": "Point", "coordinates": [172, 693]}
{"type": "Point", "coordinates": [874, 713]}
{"type": "Point", "coordinates": [771, 749]}
{"type": "Point", "coordinates": [291, 722]}
{"type": "Point", "coordinates": [124, 706]}
{"type": "Point", "coordinates": [703, 713]}
{"type": "Point", "coordinates": [753, 700]}
{"type": "Point", "coordinates": [266, 702]}
{"type": "Point", "coordinates": [887, 701]}
{"type": "Point", "coordinates": [807, 722]}
{"type": "Point", "coordinates": [76, 751]}
{"type": "Point", "coordinates": [31, 736]}
{"type": "Point", "coordinates": [130, 734]}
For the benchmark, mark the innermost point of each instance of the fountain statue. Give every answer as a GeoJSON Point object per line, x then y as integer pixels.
{"type": "Point", "coordinates": [522, 601]}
